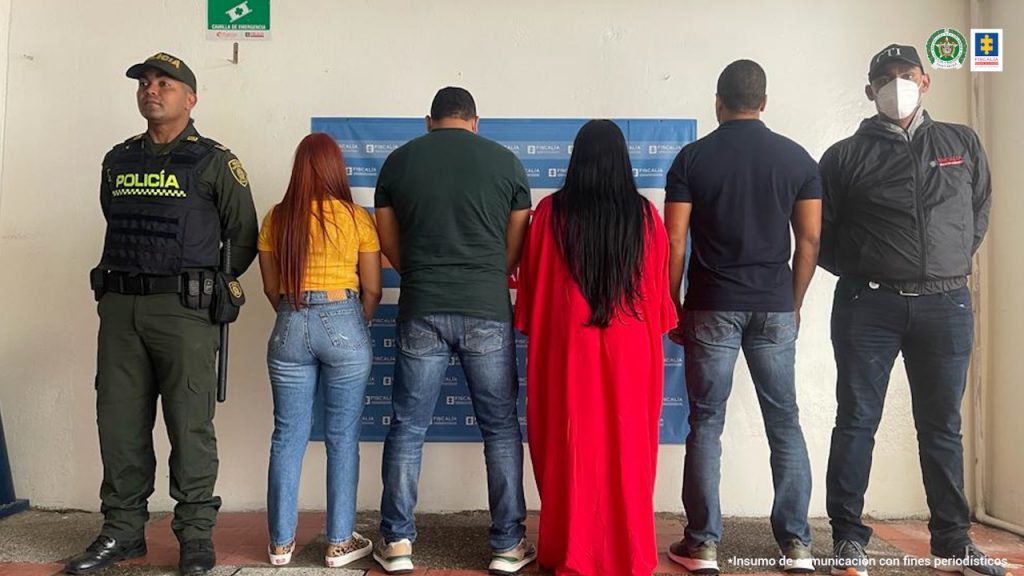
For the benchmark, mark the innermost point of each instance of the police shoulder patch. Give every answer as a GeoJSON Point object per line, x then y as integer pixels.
{"type": "Point", "coordinates": [127, 144]}
{"type": "Point", "coordinates": [235, 165]}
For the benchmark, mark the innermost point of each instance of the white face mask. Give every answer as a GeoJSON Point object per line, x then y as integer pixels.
{"type": "Point", "coordinates": [898, 99]}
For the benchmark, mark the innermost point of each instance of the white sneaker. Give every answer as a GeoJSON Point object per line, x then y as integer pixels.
{"type": "Point", "coordinates": [281, 555]}
{"type": "Point", "coordinates": [514, 560]}
{"type": "Point", "coordinates": [394, 557]}
{"type": "Point", "coordinates": [349, 551]}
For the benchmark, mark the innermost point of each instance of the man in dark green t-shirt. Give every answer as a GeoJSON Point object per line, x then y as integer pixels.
{"type": "Point", "coordinates": [452, 210]}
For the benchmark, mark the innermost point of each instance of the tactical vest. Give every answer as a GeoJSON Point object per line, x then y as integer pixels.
{"type": "Point", "coordinates": [157, 221]}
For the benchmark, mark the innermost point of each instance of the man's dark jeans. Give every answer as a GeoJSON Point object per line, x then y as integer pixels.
{"type": "Point", "coordinates": [870, 326]}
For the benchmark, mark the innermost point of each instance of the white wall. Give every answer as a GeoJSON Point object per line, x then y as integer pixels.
{"type": "Point", "coordinates": [69, 102]}
{"type": "Point", "coordinates": [1005, 395]}
{"type": "Point", "coordinates": [5, 28]}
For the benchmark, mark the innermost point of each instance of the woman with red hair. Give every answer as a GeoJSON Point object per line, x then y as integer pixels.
{"type": "Point", "coordinates": [320, 262]}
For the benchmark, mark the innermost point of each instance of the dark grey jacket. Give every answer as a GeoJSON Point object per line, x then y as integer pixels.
{"type": "Point", "coordinates": [908, 212]}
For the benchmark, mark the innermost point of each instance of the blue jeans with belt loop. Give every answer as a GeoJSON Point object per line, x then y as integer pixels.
{"type": "Point", "coordinates": [487, 351]}
{"type": "Point", "coordinates": [324, 344]}
{"type": "Point", "coordinates": [871, 326]}
{"type": "Point", "coordinates": [713, 340]}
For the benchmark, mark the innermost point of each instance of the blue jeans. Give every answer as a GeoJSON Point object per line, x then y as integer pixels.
{"type": "Point", "coordinates": [325, 344]}
{"type": "Point", "coordinates": [712, 342]}
{"type": "Point", "coordinates": [487, 351]}
{"type": "Point", "coordinates": [935, 333]}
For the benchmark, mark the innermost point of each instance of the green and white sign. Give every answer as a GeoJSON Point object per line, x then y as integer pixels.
{"type": "Point", "coordinates": [238, 19]}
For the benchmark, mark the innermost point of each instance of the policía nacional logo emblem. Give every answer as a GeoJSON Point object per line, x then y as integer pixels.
{"type": "Point", "coordinates": [238, 172]}
{"type": "Point", "coordinates": [947, 49]}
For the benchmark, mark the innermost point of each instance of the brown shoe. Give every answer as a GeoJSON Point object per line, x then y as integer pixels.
{"type": "Point", "coordinates": [349, 551]}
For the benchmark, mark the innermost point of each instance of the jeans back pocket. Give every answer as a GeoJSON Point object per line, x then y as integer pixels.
{"type": "Point", "coordinates": [345, 327]}
{"type": "Point", "coordinates": [484, 336]}
{"type": "Point", "coordinates": [711, 327]}
{"type": "Point", "coordinates": [279, 335]}
{"type": "Point", "coordinates": [780, 327]}
{"type": "Point", "coordinates": [418, 337]}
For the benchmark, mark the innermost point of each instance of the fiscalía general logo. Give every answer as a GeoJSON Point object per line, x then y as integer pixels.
{"type": "Point", "coordinates": [947, 49]}
{"type": "Point", "coordinates": [986, 50]}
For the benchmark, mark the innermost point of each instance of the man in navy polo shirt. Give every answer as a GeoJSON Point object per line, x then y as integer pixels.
{"type": "Point", "coordinates": [737, 191]}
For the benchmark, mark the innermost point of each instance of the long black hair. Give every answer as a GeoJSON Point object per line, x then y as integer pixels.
{"type": "Point", "coordinates": [600, 220]}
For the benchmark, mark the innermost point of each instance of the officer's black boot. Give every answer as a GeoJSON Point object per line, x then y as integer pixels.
{"type": "Point", "coordinates": [197, 557]}
{"type": "Point", "coordinates": [103, 552]}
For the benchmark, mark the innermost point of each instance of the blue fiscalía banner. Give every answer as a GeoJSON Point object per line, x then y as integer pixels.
{"type": "Point", "coordinates": [544, 147]}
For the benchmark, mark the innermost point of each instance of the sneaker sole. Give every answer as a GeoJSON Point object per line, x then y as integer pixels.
{"type": "Point", "coordinates": [950, 569]}
{"type": "Point", "coordinates": [280, 560]}
{"type": "Point", "coordinates": [403, 566]}
{"type": "Point", "coordinates": [694, 566]}
{"type": "Point", "coordinates": [972, 572]}
{"type": "Point", "coordinates": [504, 567]}
{"type": "Point", "coordinates": [345, 559]}
{"type": "Point", "coordinates": [846, 572]}
{"type": "Point", "coordinates": [798, 566]}
{"type": "Point", "coordinates": [129, 555]}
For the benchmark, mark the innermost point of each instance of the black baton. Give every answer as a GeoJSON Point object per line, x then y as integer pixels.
{"type": "Point", "coordinates": [222, 356]}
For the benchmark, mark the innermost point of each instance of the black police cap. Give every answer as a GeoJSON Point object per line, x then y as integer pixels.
{"type": "Point", "coordinates": [170, 65]}
{"type": "Point", "coordinates": [893, 53]}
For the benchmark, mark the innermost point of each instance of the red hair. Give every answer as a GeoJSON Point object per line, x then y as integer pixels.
{"type": "Point", "coordinates": [318, 174]}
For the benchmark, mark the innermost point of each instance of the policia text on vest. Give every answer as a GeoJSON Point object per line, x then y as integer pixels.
{"type": "Point", "coordinates": [151, 215]}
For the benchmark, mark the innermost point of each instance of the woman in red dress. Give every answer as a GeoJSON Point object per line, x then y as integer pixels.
{"type": "Point", "coordinates": [593, 300]}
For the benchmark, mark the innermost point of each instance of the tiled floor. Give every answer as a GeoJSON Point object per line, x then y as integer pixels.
{"type": "Point", "coordinates": [449, 544]}
{"type": "Point", "coordinates": [912, 538]}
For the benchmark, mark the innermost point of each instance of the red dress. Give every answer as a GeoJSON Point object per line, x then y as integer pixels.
{"type": "Point", "coordinates": [593, 406]}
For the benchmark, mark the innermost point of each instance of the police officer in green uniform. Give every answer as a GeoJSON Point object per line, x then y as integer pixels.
{"type": "Point", "coordinates": [170, 198]}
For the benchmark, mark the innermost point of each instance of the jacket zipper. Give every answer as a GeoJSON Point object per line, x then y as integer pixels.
{"type": "Point", "coordinates": [920, 214]}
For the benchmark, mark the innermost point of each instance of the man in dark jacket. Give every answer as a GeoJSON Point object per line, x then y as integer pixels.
{"type": "Point", "coordinates": [906, 202]}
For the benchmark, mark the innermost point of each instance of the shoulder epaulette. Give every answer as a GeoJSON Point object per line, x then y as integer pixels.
{"type": "Point", "coordinates": [210, 142]}
{"type": "Point", "coordinates": [128, 142]}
